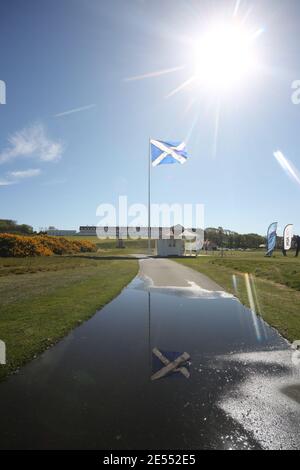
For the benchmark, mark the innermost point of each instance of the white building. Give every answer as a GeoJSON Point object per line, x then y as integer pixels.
{"type": "Point", "coordinates": [170, 247]}
{"type": "Point", "coordinates": [170, 241]}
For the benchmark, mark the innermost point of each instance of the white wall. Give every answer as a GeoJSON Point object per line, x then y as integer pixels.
{"type": "Point", "coordinates": [164, 249]}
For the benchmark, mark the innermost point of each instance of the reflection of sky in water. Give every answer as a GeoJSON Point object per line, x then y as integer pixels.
{"type": "Point", "coordinates": [221, 313]}
{"type": "Point", "coordinates": [193, 291]}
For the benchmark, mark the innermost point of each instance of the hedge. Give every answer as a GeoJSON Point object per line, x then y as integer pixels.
{"type": "Point", "coordinates": [12, 245]}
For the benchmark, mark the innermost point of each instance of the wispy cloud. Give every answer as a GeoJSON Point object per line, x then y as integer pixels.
{"type": "Point", "coordinates": [24, 173]}
{"type": "Point", "coordinates": [31, 142]}
{"type": "Point", "coordinates": [13, 177]}
{"type": "Point", "coordinates": [6, 182]}
{"type": "Point", "coordinates": [287, 166]}
{"type": "Point", "coordinates": [75, 110]}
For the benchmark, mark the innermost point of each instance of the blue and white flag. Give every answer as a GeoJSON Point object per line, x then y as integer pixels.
{"type": "Point", "coordinates": [271, 238]}
{"type": "Point", "coordinates": [167, 152]}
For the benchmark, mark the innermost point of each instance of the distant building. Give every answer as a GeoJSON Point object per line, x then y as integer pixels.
{"type": "Point", "coordinates": [55, 232]}
{"type": "Point", "coordinates": [114, 232]}
{"type": "Point", "coordinates": [171, 247]}
{"type": "Point", "coordinates": [87, 230]}
{"type": "Point", "coordinates": [130, 232]}
{"type": "Point", "coordinates": [169, 241]}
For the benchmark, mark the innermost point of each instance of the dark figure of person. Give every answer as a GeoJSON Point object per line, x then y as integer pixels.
{"type": "Point", "coordinates": [297, 240]}
{"type": "Point", "coordinates": [283, 252]}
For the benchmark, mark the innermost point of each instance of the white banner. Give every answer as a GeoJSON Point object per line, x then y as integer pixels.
{"type": "Point", "coordinates": [288, 236]}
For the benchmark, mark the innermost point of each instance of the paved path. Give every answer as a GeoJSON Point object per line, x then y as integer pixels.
{"type": "Point", "coordinates": [164, 273]}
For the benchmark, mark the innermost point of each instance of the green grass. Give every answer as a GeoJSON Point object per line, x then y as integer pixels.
{"type": "Point", "coordinates": [279, 269]}
{"type": "Point", "coordinates": [275, 285]}
{"type": "Point", "coordinates": [43, 298]}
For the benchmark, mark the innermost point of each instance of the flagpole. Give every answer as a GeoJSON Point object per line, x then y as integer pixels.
{"type": "Point", "coordinates": [149, 199]}
{"type": "Point", "coordinates": [149, 334]}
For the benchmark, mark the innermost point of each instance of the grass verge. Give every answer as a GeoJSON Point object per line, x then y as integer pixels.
{"type": "Point", "coordinates": [42, 299]}
{"type": "Point", "coordinates": [271, 295]}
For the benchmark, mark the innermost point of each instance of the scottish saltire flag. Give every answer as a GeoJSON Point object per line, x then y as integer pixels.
{"type": "Point", "coordinates": [271, 238]}
{"type": "Point", "coordinates": [169, 364]}
{"type": "Point", "coordinates": [167, 152]}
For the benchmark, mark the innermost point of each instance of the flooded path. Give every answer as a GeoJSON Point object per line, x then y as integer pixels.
{"type": "Point", "coordinates": [93, 390]}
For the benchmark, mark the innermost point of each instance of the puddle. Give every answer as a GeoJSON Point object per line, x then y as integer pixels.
{"type": "Point", "coordinates": [93, 389]}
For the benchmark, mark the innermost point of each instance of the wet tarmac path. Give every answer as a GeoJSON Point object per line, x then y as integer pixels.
{"type": "Point", "coordinates": [93, 390]}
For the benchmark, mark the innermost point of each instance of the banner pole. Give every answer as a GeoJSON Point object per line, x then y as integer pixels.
{"type": "Point", "coordinates": [149, 199]}
{"type": "Point", "coordinates": [283, 238]}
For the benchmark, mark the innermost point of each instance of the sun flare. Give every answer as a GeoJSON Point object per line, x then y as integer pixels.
{"type": "Point", "coordinates": [225, 55]}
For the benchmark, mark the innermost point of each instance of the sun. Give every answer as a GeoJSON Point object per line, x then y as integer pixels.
{"type": "Point", "coordinates": [225, 55]}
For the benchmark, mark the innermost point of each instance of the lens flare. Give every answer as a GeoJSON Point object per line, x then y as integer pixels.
{"type": "Point", "coordinates": [224, 55]}
{"type": "Point", "coordinates": [287, 166]}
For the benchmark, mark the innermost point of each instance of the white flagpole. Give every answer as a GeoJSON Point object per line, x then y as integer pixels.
{"type": "Point", "coordinates": [149, 199]}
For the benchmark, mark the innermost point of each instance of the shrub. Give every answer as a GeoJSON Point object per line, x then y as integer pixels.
{"type": "Point", "coordinates": [41, 245]}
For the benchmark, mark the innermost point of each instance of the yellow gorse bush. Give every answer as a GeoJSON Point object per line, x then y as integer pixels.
{"type": "Point", "coordinates": [41, 245]}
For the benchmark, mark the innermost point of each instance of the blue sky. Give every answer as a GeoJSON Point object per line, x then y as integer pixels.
{"type": "Point", "coordinates": [62, 55]}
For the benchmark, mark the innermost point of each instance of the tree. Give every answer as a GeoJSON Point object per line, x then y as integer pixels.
{"type": "Point", "coordinates": [11, 226]}
{"type": "Point", "coordinates": [229, 239]}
